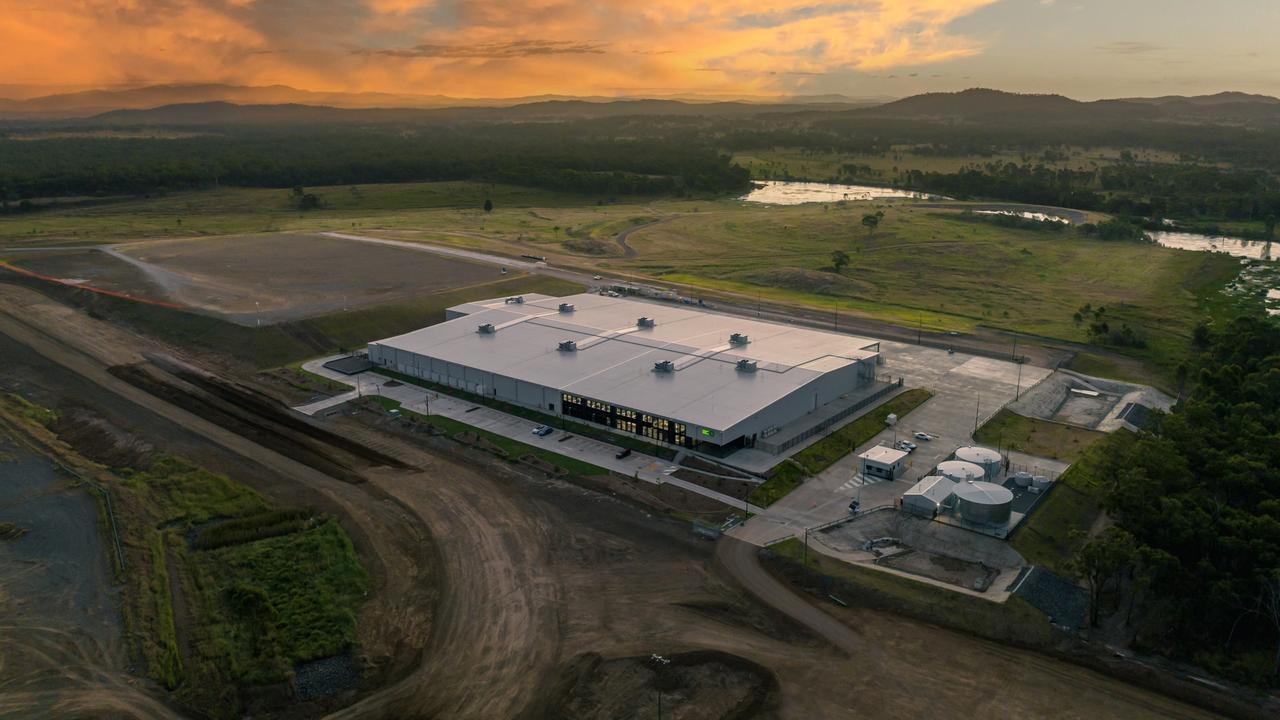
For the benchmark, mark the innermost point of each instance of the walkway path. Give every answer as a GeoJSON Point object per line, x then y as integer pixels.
{"type": "Point", "coordinates": [428, 402]}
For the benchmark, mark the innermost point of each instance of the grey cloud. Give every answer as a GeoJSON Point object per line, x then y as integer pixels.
{"type": "Point", "coordinates": [516, 49]}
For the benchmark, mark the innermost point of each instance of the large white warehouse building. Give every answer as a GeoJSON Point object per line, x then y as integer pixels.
{"type": "Point", "coordinates": [674, 374]}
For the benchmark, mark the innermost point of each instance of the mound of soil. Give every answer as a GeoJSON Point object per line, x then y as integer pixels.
{"type": "Point", "coordinates": [474, 440]}
{"type": "Point", "coordinates": [99, 440]}
{"type": "Point", "coordinates": [9, 531]}
{"type": "Point", "coordinates": [588, 246]}
{"type": "Point", "coordinates": [543, 465]}
{"type": "Point", "coordinates": [802, 280]}
{"type": "Point", "coordinates": [701, 685]}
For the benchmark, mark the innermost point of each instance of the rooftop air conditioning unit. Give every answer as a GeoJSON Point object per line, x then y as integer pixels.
{"type": "Point", "coordinates": [486, 329]}
{"type": "Point", "coordinates": [645, 322]}
{"type": "Point", "coordinates": [665, 366]}
{"type": "Point", "coordinates": [745, 365]}
{"type": "Point", "coordinates": [568, 346]}
{"type": "Point", "coordinates": [566, 307]}
{"type": "Point", "coordinates": [738, 339]}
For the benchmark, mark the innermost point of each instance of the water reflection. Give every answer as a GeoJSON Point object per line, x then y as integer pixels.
{"type": "Point", "coordinates": [779, 192]}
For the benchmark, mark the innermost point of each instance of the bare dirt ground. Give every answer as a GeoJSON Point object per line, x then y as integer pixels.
{"type": "Point", "coordinates": [495, 584]}
{"type": "Point", "coordinates": [273, 277]}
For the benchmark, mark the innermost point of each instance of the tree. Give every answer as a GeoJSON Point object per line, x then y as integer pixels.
{"type": "Point", "coordinates": [871, 221]}
{"type": "Point", "coordinates": [839, 260]}
{"type": "Point", "coordinates": [488, 205]}
{"type": "Point", "coordinates": [1100, 561]}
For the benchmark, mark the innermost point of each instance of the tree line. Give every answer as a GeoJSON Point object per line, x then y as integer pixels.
{"type": "Point", "coordinates": [1192, 565]}
{"type": "Point", "coordinates": [556, 159]}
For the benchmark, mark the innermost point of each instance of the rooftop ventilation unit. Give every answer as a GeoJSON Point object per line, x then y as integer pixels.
{"type": "Point", "coordinates": [566, 307]}
{"type": "Point", "coordinates": [568, 346]}
{"type": "Point", "coordinates": [486, 329]}
{"type": "Point", "coordinates": [645, 322]}
{"type": "Point", "coordinates": [517, 300]}
{"type": "Point", "coordinates": [738, 339]}
{"type": "Point", "coordinates": [665, 366]}
{"type": "Point", "coordinates": [745, 365]}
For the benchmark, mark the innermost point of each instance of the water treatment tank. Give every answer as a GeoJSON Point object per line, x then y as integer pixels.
{"type": "Point", "coordinates": [960, 471]}
{"type": "Point", "coordinates": [983, 502]}
{"type": "Point", "coordinates": [989, 460]}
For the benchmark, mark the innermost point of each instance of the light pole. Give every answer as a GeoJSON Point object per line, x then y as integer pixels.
{"type": "Point", "coordinates": [659, 664]}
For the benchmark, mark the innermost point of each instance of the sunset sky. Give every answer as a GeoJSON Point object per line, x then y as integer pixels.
{"type": "Point", "coordinates": [1081, 48]}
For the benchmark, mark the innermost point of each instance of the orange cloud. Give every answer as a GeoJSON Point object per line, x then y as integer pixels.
{"type": "Point", "coordinates": [477, 49]}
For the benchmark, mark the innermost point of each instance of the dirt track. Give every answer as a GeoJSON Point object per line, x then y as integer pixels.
{"type": "Point", "coordinates": [491, 583]}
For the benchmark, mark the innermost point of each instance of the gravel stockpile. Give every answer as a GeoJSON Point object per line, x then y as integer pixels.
{"type": "Point", "coordinates": [1065, 603]}
{"type": "Point", "coordinates": [326, 676]}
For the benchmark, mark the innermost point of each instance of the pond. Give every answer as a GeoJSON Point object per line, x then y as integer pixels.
{"type": "Point", "coordinates": [1027, 215]}
{"type": "Point", "coordinates": [780, 192]}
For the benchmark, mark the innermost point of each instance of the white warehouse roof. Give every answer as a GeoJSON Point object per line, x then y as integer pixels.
{"type": "Point", "coordinates": [935, 487]}
{"type": "Point", "coordinates": [615, 356]}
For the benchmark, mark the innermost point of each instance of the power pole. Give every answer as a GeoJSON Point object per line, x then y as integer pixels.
{"type": "Point", "coordinates": [976, 408]}
{"type": "Point", "coordinates": [920, 331]}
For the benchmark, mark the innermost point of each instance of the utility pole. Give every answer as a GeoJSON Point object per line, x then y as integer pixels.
{"type": "Point", "coordinates": [1018, 393]}
{"type": "Point", "coordinates": [920, 330]}
{"type": "Point", "coordinates": [1015, 347]}
{"type": "Point", "coordinates": [976, 408]}
{"type": "Point", "coordinates": [805, 561]}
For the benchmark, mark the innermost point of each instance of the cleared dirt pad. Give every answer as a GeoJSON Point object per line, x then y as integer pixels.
{"type": "Point", "coordinates": [278, 276]}
{"type": "Point", "coordinates": [690, 686]}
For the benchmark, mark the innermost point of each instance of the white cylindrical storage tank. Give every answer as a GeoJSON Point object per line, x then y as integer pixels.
{"type": "Point", "coordinates": [1023, 479]}
{"type": "Point", "coordinates": [988, 459]}
{"type": "Point", "coordinates": [960, 471]}
{"type": "Point", "coordinates": [1040, 481]}
{"type": "Point", "coordinates": [983, 502]}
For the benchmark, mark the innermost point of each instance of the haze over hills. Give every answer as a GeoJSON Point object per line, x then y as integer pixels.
{"type": "Point", "coordinates": [93, 102]}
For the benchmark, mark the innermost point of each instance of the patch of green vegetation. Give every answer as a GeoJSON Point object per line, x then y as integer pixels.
{"type": "Point", "coordinates": [272, 523]}
{"type": "Point", "coordinates": [30, 411]}
{"type": "Point", "coordinates": [263, 587]}
{"type": "Point", "coordinates": [564, 424]}
{"type": "Point", "coordinates": [160, 642]}
{"type": "Point", "coordinates": [179, 492]}
{"type": "Point", "coordinates": [9, 531]}
{"type": "Point", "coordinates": [279, 601]}
{"type": "Point", "coordinates": [819, 456]}
{"type": "Point", "coordinates": [1042, 438]}
{"type": "Point", "coordinates": [1054, 532]}
{"type": "Point", "coordinates": [1013, 620]}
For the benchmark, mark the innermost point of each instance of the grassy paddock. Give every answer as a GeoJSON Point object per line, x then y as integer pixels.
{"type": "Point", "coordinates": [821, 455]}
{"type": "Point", "coordinates": [1042, 438]}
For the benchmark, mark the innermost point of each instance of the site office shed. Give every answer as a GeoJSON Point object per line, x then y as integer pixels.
{"type": "Point", "coordinates": [674, 374]}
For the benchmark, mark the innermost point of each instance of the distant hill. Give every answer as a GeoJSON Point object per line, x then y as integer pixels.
{"type": "Point", "coordinates": [223, 113]}
{"type": "Point", "coordinates": [986, 104]}
{"type": "Point", "coordinates": [95, 102]}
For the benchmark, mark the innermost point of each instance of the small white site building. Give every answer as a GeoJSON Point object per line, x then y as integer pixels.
{"type": "Point", "coordinates": [927, 497]}
{"type": "Point", "coordinates": [881, 463]}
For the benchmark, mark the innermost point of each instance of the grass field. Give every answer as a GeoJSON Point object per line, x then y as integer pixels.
{"type": "Point", "coordinates": [821, 455]}
{"type": "Point", "coordinates": [1074, 504]}
{"type": "Point", "coordinates": [920, 267]}
{"type": "Point", "coordinates": [1042, 438]}
{"type": "Point", "coordinates": [928, 266]}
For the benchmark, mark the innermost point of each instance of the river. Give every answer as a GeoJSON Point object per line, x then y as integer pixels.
{"type": "Point", "coordinates": [781, 192]}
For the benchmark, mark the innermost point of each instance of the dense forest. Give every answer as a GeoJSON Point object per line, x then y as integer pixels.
{"type": "Point", "coordinates": [553, 156]}
{"type": "Point", "coordinates": [1219, 171]}
{"type": "Point", "coordinates": [1193, 561]}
